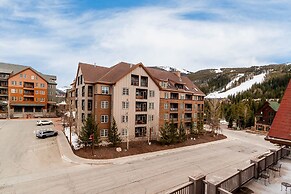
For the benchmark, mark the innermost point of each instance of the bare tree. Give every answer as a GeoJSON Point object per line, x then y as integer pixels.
{"type": "Point", "coordinates": [214, 114]}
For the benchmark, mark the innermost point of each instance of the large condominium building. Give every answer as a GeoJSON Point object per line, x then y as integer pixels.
{"type": "Point", "coordinates": [140, 99]}
{"type": "Point", "coordinates": [25, 92]}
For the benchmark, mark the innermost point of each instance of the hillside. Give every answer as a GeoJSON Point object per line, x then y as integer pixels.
{"type": "Point", "coordinates": [220, 82]}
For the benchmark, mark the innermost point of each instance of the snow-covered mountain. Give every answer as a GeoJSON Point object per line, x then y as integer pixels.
{"type": "Point", "coordinates": [240, 88]}
{"type": "Point", "coordinates": [168, 68]}
{"type": "Point", "coordinates": [63, 88]}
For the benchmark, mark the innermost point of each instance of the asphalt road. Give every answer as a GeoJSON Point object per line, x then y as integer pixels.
{"type": "Point", "coordinates": [30, 165]}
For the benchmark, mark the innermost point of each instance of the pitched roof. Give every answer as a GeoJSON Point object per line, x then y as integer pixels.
{"type": "Point", "coordinates": [274, 105]}
{"type": "Point", "coordinates": [281, 126]}
{"type": "Point", "coordinates": [92, 73]}
{"type": "Point", "coordinates": [15, 69]}
{"type": "Point", "coordinates": [172, 77]}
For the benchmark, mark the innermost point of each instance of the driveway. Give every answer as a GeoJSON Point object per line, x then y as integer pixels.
{"type": "Point", "coordinates": [47, 173]}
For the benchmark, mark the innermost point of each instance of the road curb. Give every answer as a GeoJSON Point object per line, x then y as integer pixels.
{"type": "Point", "coordinates": [69, 156]}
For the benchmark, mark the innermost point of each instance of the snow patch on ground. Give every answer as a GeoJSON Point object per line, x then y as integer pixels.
{"type": "Point", "coordinates": [242, 87]}
{"type": "Point", "coordinates": [234, 80]}
{"type": "Point", "coordinates": [218, 71]}
{"type": "Point", "coordinates": [74, 137]}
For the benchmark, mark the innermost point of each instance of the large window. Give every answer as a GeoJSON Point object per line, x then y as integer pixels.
{"type": "Point", "coordinates": [134, 80]}
{"type": "Point", "coordinates": [125, 91]}
{"type": "Point", "coordinates": [104, 133]}
{"type": "Point", "coordinates": [104, 118]}
{"type": "Point", "coordinates": [104, 104]}
{"type": "Point", "coordinates": [89, 105]}
{"type": "Point", "coordinates": [105, 89]}
{"type": "Point", "coordinates": [166, 106]}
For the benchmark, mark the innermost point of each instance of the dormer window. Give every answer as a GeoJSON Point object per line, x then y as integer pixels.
{"type": "Point", "coordinates": [179, 86]}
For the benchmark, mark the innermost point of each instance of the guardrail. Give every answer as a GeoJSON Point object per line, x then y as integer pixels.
{"type": "Point", "coordinates": [198, 184]}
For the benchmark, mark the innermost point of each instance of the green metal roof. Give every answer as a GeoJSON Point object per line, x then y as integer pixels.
{"type": "Point", "coordinates": [274, 105]}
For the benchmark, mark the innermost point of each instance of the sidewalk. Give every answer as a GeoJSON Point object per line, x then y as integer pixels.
{"type": "Point", "coordinates": [68, 155]}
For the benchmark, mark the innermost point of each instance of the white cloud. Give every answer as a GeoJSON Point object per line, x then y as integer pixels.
{"type": "Point", "coordinates": [54, 41]}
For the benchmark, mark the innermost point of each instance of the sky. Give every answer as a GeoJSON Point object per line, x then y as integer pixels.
{"type": "Point", "coordinates": [53, 36]}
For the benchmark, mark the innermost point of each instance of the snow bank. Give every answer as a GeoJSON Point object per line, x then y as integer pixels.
{"type": "Point", "coordinates": [242, 87]}
{"type": "Point", "coordinates": [218, 71]}
{"type": "Point", "coordinates": [74, 137]}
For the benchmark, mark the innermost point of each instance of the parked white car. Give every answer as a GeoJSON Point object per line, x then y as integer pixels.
{"type": "Point", "coordinates": [44, 122]}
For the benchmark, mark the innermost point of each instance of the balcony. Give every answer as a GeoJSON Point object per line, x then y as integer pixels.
{"type": "Point", "coordinates": [144, 81]}
{"type": "Point", "coordinates": [28, 85]}
{"type": "Point", "coordinates": [141, 119]}
{"type": "Point", "coordinates": [134, 80]}
{"type": "Point", "coordinates": [4, 84]}
{"type": "Point", "coordinates": [188, 97]}
{"type": "Point", "coordinates": [173, 106]}
{"type": "Point", "coordinates": [28, 93]}
{"type": "Point", "coordinates": [188, 117]}
{"type": "Point", "coordinates": [141, 94]}
{"type": "Point", "coordinates": [174, 117]}
{"type": "Point", "coordinates": [28, 99]}
{"type": "Point", "coordinates": [3, 92]}
{"type": "Point", "coordinates": [141, 106]}
{"type": "Point", "coordinates": [188, 107]}
{"type": "Point", "coordinates": [174, 96]}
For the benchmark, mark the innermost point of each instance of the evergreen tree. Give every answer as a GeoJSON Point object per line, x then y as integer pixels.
{"type": "Point", "coordinates": [182, 133]}
{"type": "Point", "coordinates": [113, 135]}
{"type": "Point", "coordinates": [164, 133]}
{"type": "Point", "coordinates": [173, 133]}
{"type": "Point", "coordinates": [89, 128]}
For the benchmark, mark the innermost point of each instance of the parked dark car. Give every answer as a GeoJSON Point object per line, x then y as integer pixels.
{"type": "Point", "coordinates": [46, 133]}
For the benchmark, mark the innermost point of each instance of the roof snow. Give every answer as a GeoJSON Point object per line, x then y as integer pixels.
{"type": "Point", "coordinates": [242, 87]}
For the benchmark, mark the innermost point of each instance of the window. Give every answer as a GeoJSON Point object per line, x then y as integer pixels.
{"type": "Point", "coordinates": [42, 85]}
{"type": "Point", "coordinates": [104, 104]}
{"type": "Point", "coordinates": [104, 118]}
{"type": "Point", "coordinates": [20, 91]}
{"type": "Point", "coordinates": [42, 99]}
{"type": "Point", "coordinates": [42, 92]}
{"type": "Point", "coordinates": [89, 105]}
{"type": "Point", "coordinates": [166, 106]}
{"type": "Point", "coordinates": [36, 91]}
{"type": "Point", "coordinates": [125, 105]}
{"type": "Point", "coordinates": [105, 89]}
{"type": "Point", "coordinates": [36, 84]}
{"type": "Point", "coordinates": [166, 116]}
{"type": "Point", "coordinates": [134, 80]}
{"type": "Point", "coordinates": [83, 104]}
{"type": "Point", "coordinates": [144, 81]}
{"type": "Point", "coordinates": [182, 96]}
{"type": "Point", "coordinates": [24, 75]}
{"type": "Point", "coordinates": [21, 75]}
{"type": "Point", "coordinates": [182, 106]}
{"type": "Point", "coordinates": [13, 98]}
{"type": "Point", "coordinates": [90, 91]}
{"type": "Point", "coordinates": [20, 83]}
{"type": "Point", "coordinates": [151, 117]}
{"type": "Point", "coordinates": [166, 95]}
{"type": "Point", "coordinates": [125, 91]}
{"type": "Point", "coordinates": [124, 118]}
{"type": "Point", "coordinates": [36, 99]}
{"type": "Point", "coordinates": [83, 91]}
{"type": "Point", "coordinates": [20, 98]}
{"type": "Point", "coordinates": [152, 93]}
{"type": "Point", "coordinates": [13, 91]}
{"type": "Point", "coordinates": [13, 83]}
{"type": "Point", "coordinates": [36, 77]}
{"type": "Point", "coordinates": [151, 105]}
{"type": "Point", "coordinates": [104, 133]}
{"type": "Point", "coordinates": [32, 77]}
{"type": "Point", "coordinates": [124, 132]}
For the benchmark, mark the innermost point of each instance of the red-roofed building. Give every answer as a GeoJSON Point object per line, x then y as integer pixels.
{"type": "Point", "coordinates": [280, 131]}
{"type": "Point", "coordinates": [139, 98]}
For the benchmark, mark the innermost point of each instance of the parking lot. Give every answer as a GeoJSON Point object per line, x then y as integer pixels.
{"type": "Point", "coordinates": [22, 153]}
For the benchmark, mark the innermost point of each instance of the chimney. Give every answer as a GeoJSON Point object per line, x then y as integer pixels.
{"type": "Point", "coordinates": [177, 73]}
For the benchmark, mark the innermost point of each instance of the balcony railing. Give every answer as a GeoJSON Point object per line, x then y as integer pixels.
{"type": "Point", "coordinates": [188, 109]}
{"type": "Point", "coordinates": [174, 109]}
{"type": "Point", "coordinates": [138, 122]}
